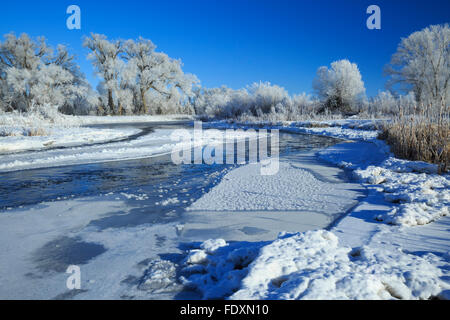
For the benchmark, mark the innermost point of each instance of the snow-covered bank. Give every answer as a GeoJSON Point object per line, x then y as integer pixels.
{"type": "Point", "coordinates": [38, 119]}
{"type": "Point", "coordinates": [156, 143]}
{"type": "Point", "coordinates": [352, 129]}
{"type": "Point", "coordinates": [21, 132]}
{"type": "Point", "coordinates": [63, 137]}
{"type": "Point", "coordinates": [380, 250]}
{"type": "Point", "coordinates": [87, 120]}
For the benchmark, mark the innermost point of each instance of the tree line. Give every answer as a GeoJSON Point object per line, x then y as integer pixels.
{"type": "Point", "coordinates": [137, 79]}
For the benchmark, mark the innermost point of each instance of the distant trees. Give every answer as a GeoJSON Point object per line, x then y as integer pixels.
{"type": "Point", "coordinates": [385, 103]}
{"type": "Point", "coordinates": [340, 87]}
{"type": "Point", "coordinates": [422, 65]}
{"type": "Point", "coordinates": [136, 78]}
{"type": "Point", "coordinates": [258, 101]}
{"type": "Point", "coordinates": [32, 74]}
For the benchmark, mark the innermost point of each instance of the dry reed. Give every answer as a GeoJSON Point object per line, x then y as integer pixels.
{"type": "Point", "coordinates": [423, 136]}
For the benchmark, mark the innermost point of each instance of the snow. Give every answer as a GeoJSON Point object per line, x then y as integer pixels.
{"type": "Point", "coordinates": [33, 120]}
{"type": "Point", "coordinates": [211, 245]}
{"type": "Point", "coordinates": [422, 197]}
{"type": "Point", "coordinates": [360, 129]}
{"type": "Point", "coordinates": [305, 194]}
{"type": "Point", "coordinates": [160, 276]}
{"type": "Point", "coordinates": [22, 132]}
{"type": "Point", "coordinates": [300, 234]}
{"type": "Point", "coordinates": [312, 265]}
{"type": "Point", "coordinates": [156, 143]}
{"type": "Point", "coordinates": [89, 120]}
{"type": "Point", "coordinates": [63, 137]}
{"type": "Point", "coordinates": [394, 244]}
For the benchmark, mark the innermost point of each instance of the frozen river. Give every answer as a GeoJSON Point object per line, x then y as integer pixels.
{"type": "Point", "coordinates": [121, 210]}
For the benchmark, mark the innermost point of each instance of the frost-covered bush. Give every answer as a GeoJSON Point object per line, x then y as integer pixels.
{"type": "Point", "coordinates": [265, 96]}
{"type": "Point", "coordinates": [221, 102]}
{"type": "Point", "coordinates": [340, 87]}
{"type": "Point", "coordinates": [259, 101]}
{"type": "Point", "coordinates": [384, 103]}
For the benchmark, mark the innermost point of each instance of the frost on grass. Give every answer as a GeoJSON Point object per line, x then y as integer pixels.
{"type": "Point", "coordinates": [422, 197]}
{"type": "Point", "coordinates": [310, 265]}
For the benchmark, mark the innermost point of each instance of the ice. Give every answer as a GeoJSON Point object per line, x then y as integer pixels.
{"type": "Point", "coordinates": [128, 265]}
{"type": "Point", "coordinates": [292, 188]}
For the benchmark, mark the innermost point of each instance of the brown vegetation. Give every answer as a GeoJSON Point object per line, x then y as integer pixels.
{"type": "Point", "coordinates": [424, 136]}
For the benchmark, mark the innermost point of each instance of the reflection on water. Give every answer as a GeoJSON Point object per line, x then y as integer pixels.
{"type": "Point", "coordinates": [148, 176]}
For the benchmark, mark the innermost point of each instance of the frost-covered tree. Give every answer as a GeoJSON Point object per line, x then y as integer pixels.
{"type": "Point", "coordinates": [5, 103]}
{"type": "Point", "coordinates": [340, 87]}
{"type": "Point", "coordinates": [108, 63]}
{"type": "Point", "coordinates": [134, 76]}
{"type": "Point", "coordinates": [422, 65]}
{"type": "Point", "coordinates": [266, 96]}
{"type": "Point", "coordinates": [383, 103]}
{"type": "Point", "coordinates": [159, 78]}
{"type": "Point", "coordinates": [302, 105]}
{"type": "Point", "coordinates": [32, 74]}
{"type": "Point", "coordinates": [208, 101]}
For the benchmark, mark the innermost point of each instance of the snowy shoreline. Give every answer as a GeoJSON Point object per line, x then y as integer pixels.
{"type": "Point", "coordinates": [393, 245]}
{"type": "Point", "coordinates": [20, 132]}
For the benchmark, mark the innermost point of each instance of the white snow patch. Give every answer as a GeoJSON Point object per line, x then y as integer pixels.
{"type": "Point", "coordinates": [313, 265]}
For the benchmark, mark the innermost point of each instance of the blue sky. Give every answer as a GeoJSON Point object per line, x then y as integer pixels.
{"type": "Point", "coordinates": [237, 42]}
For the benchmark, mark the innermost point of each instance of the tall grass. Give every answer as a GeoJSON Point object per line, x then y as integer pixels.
{"type": "Point", "coordinates": [423, 136]}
